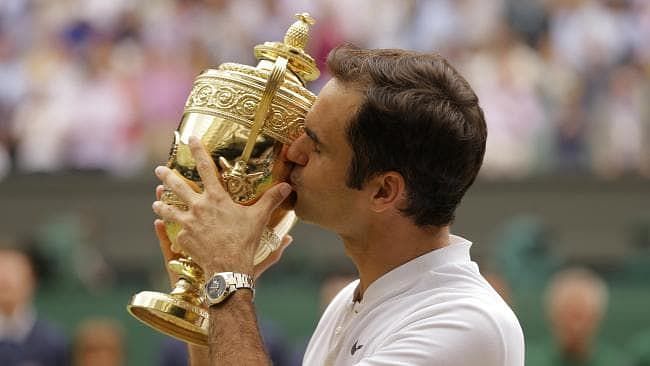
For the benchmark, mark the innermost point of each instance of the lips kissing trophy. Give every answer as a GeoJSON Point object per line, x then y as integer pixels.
{"type": "Point", "coordinates": [245, 116]}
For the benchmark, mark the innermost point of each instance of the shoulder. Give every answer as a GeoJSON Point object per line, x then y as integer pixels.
{"type": "Point", "coordinates": [491, 330]}
{"type": "Point", "coordinates": [443, 320]}
{"type": "Point", "coordinates": [49, 342]}
{"type": "Point", "coordinates": [460, 332]}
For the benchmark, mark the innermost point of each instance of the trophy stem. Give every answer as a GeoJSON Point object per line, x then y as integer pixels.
{"type": "Point", "coordinates": [182, 313]}
{"type": "Point", "coordinates": [189, 285]}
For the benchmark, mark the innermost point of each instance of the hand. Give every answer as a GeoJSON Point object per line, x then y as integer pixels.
{"type": "Point", "coordinates": [217, 233]}
{"type": "Point", "coordinates": [168, 254]}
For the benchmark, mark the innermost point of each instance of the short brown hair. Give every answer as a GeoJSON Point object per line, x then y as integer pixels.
{"type": "Point", "coordinates": [419, 118]}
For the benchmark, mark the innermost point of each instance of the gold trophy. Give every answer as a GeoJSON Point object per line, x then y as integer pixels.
{"type": "Point", "coordinates": [245, 116]}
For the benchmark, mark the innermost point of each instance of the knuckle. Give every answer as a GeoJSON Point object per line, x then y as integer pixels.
{"type": "Point", "coordinates": [274, 197]}
{"type": "Point", "coordinates": [176, 185]}
{"type": "Point", "coordinates": [197, 209]}
{"type": "Point", "coordinates": [203, 165]}
{"type": "Point", "coordinates": [212, 195]}
{"type": "Point", "coordinates": [169, 211]}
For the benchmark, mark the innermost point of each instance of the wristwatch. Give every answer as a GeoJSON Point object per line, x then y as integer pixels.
{"type": "Point", "coordinates": [221, 285]}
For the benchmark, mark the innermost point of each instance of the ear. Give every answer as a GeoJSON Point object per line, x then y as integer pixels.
{"type": "Point", "coordinates": [388, 191]}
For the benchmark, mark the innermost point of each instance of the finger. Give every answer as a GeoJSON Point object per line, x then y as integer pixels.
{"type": "Point", "coordinates": [174, 182]}
{"type": "Point", "coordinates": [163, 240]}
{"type": "Point", "coordinates": [288, 239]}
{"type": "Point", "coordinates": [272, 198]}
{"type": "Point", "coordinates": [169, 212]}
{"type": "Point", "coordinates": [160, 189]}
{"type": "Point", "coordinates": [205, 166]}
{"type": "Point", "coordinates": [165, 247]}
{"type": "Point", "coordinates": [273, 258]}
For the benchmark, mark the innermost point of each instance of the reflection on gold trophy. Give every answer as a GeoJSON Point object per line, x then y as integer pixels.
{"type": "Point", "coordinates": [245, 116]}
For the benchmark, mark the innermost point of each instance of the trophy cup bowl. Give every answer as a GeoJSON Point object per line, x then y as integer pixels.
{"type": "Point", "coordinates": [245, 116]}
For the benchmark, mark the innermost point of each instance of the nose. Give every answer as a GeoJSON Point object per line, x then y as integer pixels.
{"type": "Point", "coordinates": [297, 152]}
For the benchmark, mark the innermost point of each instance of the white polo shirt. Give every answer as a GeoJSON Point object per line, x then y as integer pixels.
{"type": "Point", "coordinates": [436, 309]}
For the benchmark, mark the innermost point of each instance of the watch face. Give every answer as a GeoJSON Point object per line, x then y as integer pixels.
{"type": "Point", "coordinates": [216, 287]}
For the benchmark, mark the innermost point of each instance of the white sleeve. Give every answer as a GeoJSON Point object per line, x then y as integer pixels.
{"type": "Point", "coordinates": [466, 336]}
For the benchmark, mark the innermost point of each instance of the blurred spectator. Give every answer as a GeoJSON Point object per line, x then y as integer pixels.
{"type": "Point", "coordinates": [99, 342]}
{"type": "Point", "coordinates": [100, 116]}
{"type": "Point", "coordinates": [506, 75]}
{"type": "Point", "coordinates": [529, 18]}
{"type": "Point", "coordinates": [622, 121]}
{"type": "Point", "coordinates": [576, 303]}
{"type": "Point", "coordinates": [13, 86]}
{"type": "Point", "coordinates": [162, 91]}
{"type": "Point", "coordinates": [589, 34]}
{"type": "Point", "coordinates": [25, 337]}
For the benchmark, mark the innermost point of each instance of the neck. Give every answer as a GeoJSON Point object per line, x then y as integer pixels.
{"type": "Point", "coordinates": [15, 311]}
{"type": "Point", "coordinates": [577, 351]}
{"type": "Point", "coordinates": [389, 245]}
{"type": "Point", "coordinates": [8, 310]}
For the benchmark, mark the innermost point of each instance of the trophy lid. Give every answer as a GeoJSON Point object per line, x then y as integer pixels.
{"type": "Point", "coordinates": [293, 49]}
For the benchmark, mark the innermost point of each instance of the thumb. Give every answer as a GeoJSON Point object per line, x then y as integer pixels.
{"type": "Point", "coordinates": [272, 198]}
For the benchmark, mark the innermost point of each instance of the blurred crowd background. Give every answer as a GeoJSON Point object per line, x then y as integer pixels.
{"type": "Point", "coordinates": [90, 91]}
{"type": "Point", "coordinates": [98, 85]}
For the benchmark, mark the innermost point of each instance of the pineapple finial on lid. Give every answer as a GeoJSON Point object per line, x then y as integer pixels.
{"type": "Point", "coordinates": [298, 34]}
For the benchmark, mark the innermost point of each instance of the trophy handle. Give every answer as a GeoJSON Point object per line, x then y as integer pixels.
{"type": "Point", "coordinates": [237, 181]}
{"type": "Point", "coordinates": [272, 85]}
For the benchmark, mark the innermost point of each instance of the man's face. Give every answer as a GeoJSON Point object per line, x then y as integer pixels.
{"type": "Point", "coordinates": [575, 315]}
{"type": "Point", "coordinates": [321, 156]}
{"type": "Point", "coordinates": [16, 281]}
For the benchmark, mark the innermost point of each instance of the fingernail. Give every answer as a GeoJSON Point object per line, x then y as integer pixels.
{"type": "Point", "coordinates": [155, 204]}
{"type": "Point", "coordinates": [285, 189]}
{"type": "Point", "coordinates": [158, 170]}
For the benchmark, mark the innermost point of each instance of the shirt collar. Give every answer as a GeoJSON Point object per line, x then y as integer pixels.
{"type": "Point", "coordinates": [17, 327]}
{"type": "Point", "coordinates": [393, 281]}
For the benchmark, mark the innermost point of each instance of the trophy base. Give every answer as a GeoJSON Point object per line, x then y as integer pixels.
{"type": "Point", "coordinates": [172, 316]}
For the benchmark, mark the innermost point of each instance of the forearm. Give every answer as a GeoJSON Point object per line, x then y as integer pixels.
{"type": "Point", "coordinates": [199, 355]}
{"type": "Point", "coordinates": [234, 337]}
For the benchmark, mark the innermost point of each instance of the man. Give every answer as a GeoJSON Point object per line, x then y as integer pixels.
{"type": "Point", "coordinates": [99, 342]}
{"type": "Point", "coordinates": [25, 338]}
{"type": "Point", "coordinates": [576, 303]}
{"type": "Point", "coordinates": [390, 147]}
